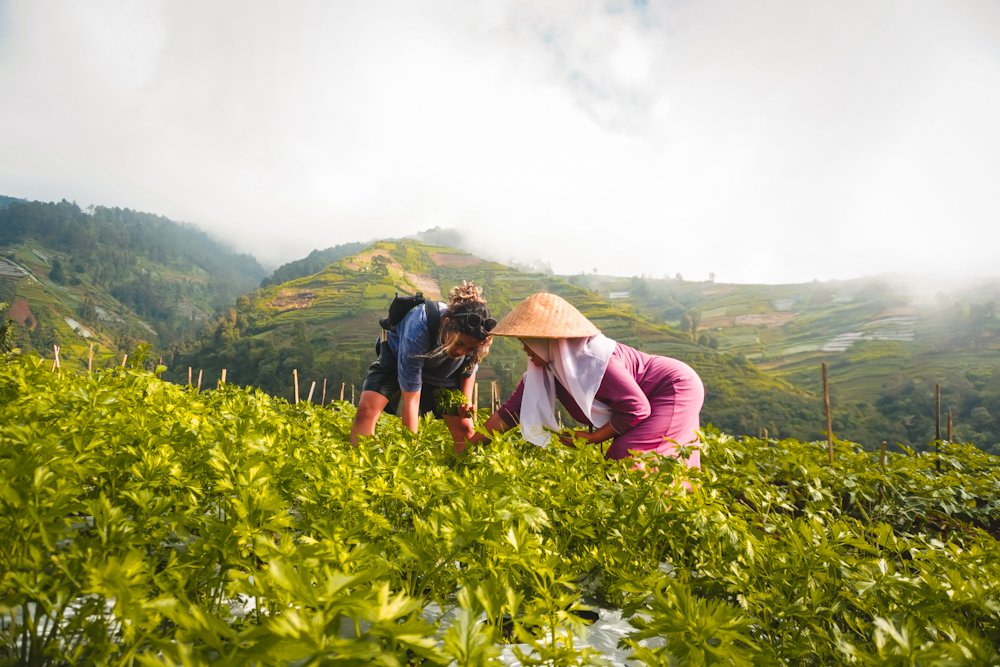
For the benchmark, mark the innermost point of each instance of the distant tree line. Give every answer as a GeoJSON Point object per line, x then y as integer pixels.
{"type": "Point", "coordinates": [314, 262]}
{"type": "Point", "coordinates": [164, 271]}
{"type": "Point", "coordinates": [240, 340]}
{"type": "Point", "coordinates": [117, 237]}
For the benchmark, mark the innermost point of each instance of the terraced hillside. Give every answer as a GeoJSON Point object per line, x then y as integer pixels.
{"type": "Point", "coordinates": [886, 344]}
{"type": "Point", "coordinates": [321, 329]}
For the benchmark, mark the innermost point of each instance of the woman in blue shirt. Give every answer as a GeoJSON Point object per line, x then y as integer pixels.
{"type": "Point", "coordinates": [411, 365]}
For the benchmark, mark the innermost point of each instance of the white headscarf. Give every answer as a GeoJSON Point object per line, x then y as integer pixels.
{"type": "Point", "coordinates": [579, 365]}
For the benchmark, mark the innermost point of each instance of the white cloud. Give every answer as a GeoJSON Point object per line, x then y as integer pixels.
{"type": "Point", "coordinates": [770, 141]}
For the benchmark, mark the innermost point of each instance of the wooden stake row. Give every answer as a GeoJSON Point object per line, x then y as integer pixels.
{"type": "Point", "coordinates": [884, 445]}
{"type": "Point", "coordinates": [829, 416]}
{"type": "Point", "coordinates": [496, 401]}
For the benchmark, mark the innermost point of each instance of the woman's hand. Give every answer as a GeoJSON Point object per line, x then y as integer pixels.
{"type": "Point", "coordinates": [467, 411]}
{"type": "Point", "coordinates": [598, 435]}
{"type": "Point", "coordinates": [569, 437]}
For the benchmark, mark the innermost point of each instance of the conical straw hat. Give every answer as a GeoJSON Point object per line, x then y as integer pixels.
{"type": "Point", "coordinates": [544, 315]}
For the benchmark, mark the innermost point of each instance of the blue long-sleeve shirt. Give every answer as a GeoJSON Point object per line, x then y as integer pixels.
{"type": "Point", "coordinates": [411, 342]}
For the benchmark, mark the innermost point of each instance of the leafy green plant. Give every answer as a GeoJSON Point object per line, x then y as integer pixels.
{"type": "Point", "coordinates": [449, 401]}
{"type": "Point", "coordinates": [142, 522]}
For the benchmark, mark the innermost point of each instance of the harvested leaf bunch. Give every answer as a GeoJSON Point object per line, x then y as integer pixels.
{"type": "Point", "coordinates": [449, 401]}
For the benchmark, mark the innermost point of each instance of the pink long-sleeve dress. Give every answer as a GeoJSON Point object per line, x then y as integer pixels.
{"type": "Point", "coordinates": [655, 404]}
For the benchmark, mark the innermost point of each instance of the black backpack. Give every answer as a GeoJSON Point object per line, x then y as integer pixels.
{"type": "Point", "coordinates": [398, 309]}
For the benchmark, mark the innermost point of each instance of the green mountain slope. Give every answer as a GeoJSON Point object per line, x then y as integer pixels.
{"type": "Point", "coordinates": [887, 345]}
{"type": "Point", "coordinates": [321, 328]}
{"type": "Point", "coordinates": [314, 262]}
{"type": "Point", "coordinates": [110, 277]}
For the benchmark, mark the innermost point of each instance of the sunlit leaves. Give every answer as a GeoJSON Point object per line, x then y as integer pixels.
{"type": "Point", "coordinates": [145, 522]}
{"type": "Point", "coordinates": [697, 631]}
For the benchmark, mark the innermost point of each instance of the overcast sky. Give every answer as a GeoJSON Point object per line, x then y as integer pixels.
{"type": "Point", "coordinates": [763, 141]}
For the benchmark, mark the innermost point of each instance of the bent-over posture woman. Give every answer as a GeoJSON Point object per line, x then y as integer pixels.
{"type": "Point", "coordinates": [641, 402]}
{"type": "Point", "coordinates": [412, 363]}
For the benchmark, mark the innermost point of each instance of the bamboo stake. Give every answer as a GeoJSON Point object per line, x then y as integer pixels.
{"type": "Point", "coordinates": [352, 394]}
{"type": "Point", "coordinates": [124, 359]}
{"type": "Point", "coordinates": [342, 390]}
{"type": "Point", "coordinates": [951, 425]}
{"type": "Point", "coordinates": [222, 380]}
{"type": "Point", "coordinates": [199, 381]}
{"type": "Point", "coordinates": [475, 396]}
{"type": "Point", "coordinates": [829, 416]}
{"type": "Point", "coordinates": [55, 357]}
{"type": "Point", "coordinates": [322, 399]}
{"type": "Point", "coordinates": [937, 425]}
{"type": "Point", "coordinates": [309, 399]}
{"type": "Point", "coordinates": [189, 376]}
{"type": "Point", "coordinates": [295, 384]}
{"type": "Point", "coordinates": [881, 483]}
{"type": "Point", "coordinates": [937, 412]}
{"type": "Point", "coordinates": [90, 360]}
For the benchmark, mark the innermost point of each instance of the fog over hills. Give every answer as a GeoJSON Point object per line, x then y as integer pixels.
{"type": "Point", "coordinates": [775, 142]}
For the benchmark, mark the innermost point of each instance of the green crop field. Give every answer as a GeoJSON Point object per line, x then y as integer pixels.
{"type": "Point", "coordinates": [143, 522]}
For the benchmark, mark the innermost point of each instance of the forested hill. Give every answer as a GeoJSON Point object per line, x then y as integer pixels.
{"type": "Point", "coordinates": [321, 328]}
{"type": "Point", "coordinates": [111, 276]}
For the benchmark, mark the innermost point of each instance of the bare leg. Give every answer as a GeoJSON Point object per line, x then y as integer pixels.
{"type": "Point", "coordinates": [370, 406]}
{"type": "Point", "coordinates": [493, 425]}
{"type": "Point", "coordinates": [461, 428]}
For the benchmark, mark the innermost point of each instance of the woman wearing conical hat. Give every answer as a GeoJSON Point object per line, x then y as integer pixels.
{"type": "Point", "coordinates": [642, 402]}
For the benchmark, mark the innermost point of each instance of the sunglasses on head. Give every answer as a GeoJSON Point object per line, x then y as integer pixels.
{"type": "Point", "coordinates": [474, 324]}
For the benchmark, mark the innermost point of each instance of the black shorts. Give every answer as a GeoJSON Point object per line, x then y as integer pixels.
{"type": "Point", "coordinates": [383, 378]}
